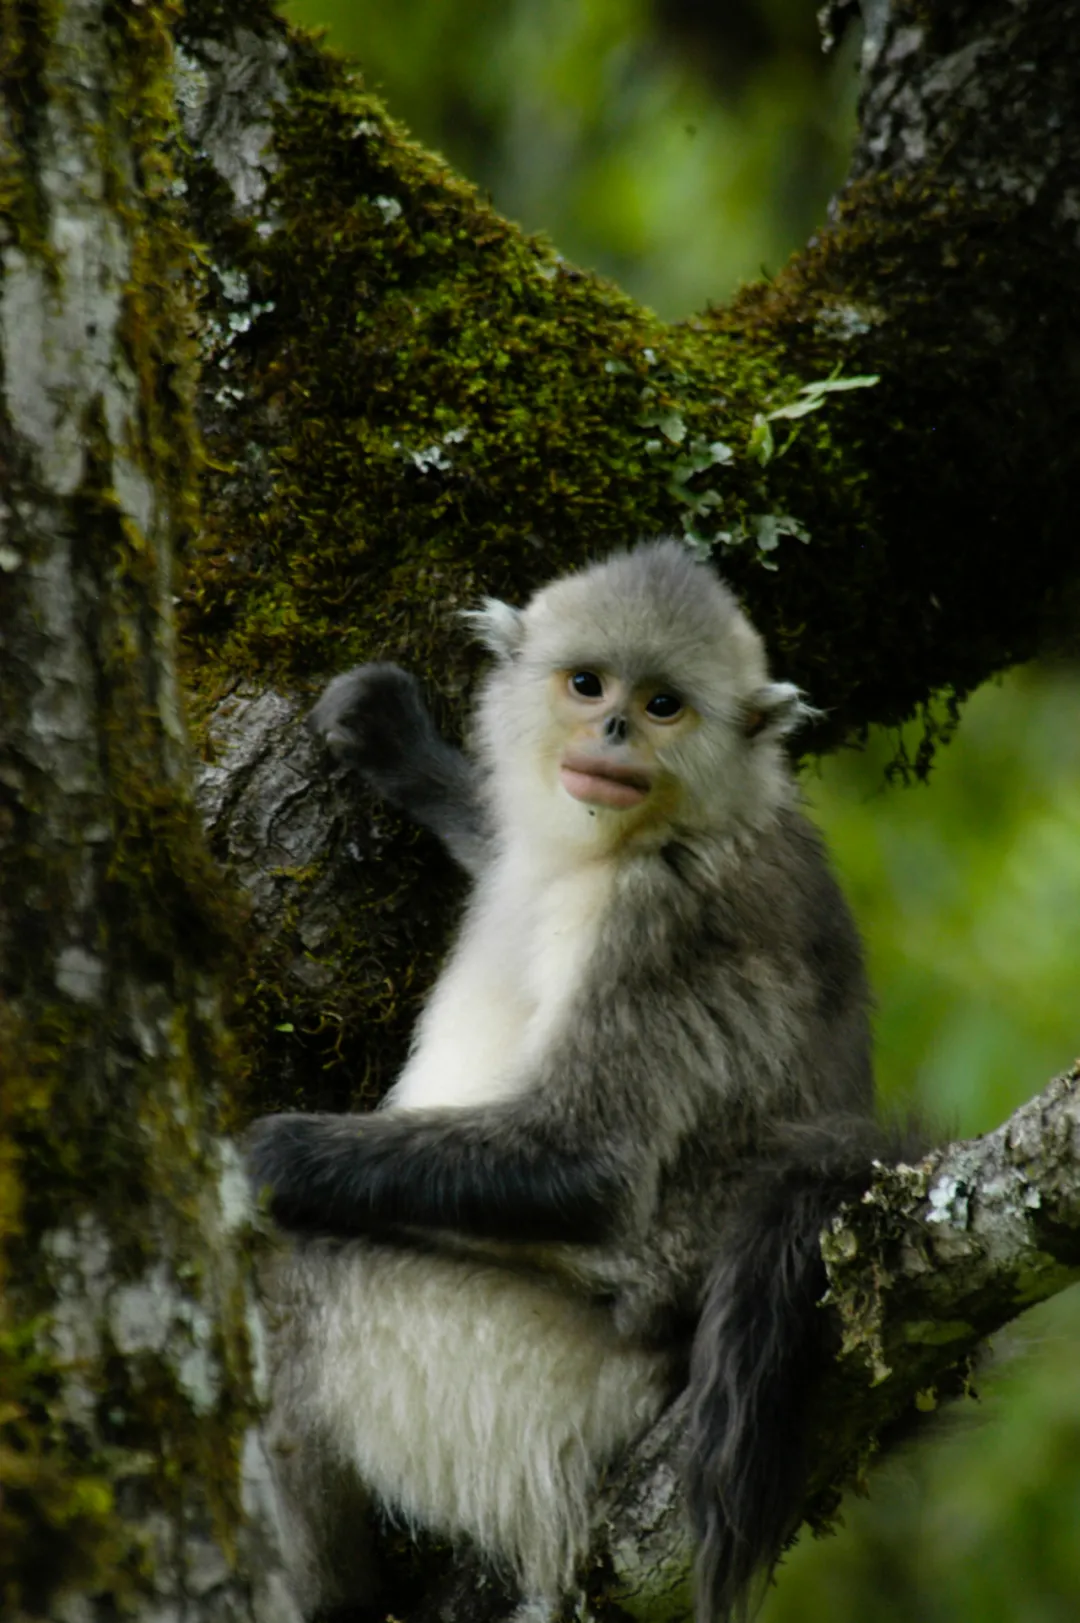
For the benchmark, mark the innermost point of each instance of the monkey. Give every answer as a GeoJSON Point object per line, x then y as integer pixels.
{"type": "Point", "coordinates": [639, 1088]}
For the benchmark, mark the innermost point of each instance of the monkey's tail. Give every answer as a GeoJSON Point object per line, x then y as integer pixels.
{"type": "Point", "coordinates": [757, 1352]}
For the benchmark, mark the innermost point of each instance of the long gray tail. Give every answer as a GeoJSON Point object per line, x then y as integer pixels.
{"type": "Point", "coordinates": [758, 1352]}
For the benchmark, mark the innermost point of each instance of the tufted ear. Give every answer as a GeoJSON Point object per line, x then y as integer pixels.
{"type": "Point", "coordinates": [500, 628]}
{"type": "Point", "coordinates": [775, 710]}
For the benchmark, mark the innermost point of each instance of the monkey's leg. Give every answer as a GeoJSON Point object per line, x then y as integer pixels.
{"type": "Point", "coordinates": [470, 1401]}
{"type": "Point", "coordinates": [325, 1510]}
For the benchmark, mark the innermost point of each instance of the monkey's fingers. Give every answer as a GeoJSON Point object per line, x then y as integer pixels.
{"type": "Point", "coordinates": [371, 717]}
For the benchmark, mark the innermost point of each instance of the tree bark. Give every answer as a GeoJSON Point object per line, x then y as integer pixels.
{"type": "Point", "coordinates": [404, 401]}
{"type": "Point", "coordinates": [132, 1475]}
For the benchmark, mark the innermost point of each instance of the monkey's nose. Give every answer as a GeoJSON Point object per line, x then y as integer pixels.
{"type": "Point", "coordinates": [615, 729]}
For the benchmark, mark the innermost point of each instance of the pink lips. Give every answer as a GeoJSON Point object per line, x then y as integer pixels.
{"type": "Point", "coordinates": [603, 783]}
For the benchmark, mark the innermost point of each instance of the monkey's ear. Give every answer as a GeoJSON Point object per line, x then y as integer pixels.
{"type": "Point", "coordinates": [776, 710]}
{"type": "Point", "coordinates": [499, 627]}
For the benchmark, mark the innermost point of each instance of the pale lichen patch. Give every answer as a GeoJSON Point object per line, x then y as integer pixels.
{"type": "Point", "coordinates": [80, 974]}
{"type": "Point", "coordinates": [227, 99]}
{"type": "Point", "coordinates": [142, 1315]}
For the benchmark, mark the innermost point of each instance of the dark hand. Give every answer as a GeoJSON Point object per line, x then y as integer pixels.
{"type": "Point", "coordinates": [287, 1157]}
{"type": "Point", "coordinates": [372, 718]}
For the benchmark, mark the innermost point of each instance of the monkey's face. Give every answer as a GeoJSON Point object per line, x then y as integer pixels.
{"type": "Point", "coordinates": [582, 752]}
{"type": "Point", "coordinates": [630, 702]}
{"type": "Point", "coordinates": [593, 755]}
{"type": "Point", "coordinates": [613, 731]}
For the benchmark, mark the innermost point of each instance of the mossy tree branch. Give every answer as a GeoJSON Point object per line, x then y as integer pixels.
{"type": "Point", "coordinates": [939, 1255]}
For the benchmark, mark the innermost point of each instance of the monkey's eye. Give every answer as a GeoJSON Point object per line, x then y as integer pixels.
{"type": "Point", "coordinates": [587, 685]}
{"type": "Point", "coordinates": [664, 706]}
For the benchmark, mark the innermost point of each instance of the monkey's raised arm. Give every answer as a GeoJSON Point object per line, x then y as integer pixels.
{"type": "Point", "coordinates": [503, 1172]}
{"type": "Point", "coordinates": [373, 719]}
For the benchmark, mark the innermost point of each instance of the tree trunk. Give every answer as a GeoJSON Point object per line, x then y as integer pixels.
{"type": "Point", "coordinates": [132, 1472]}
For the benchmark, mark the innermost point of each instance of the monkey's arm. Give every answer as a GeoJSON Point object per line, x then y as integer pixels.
{"type": "Point", "coordinates": [494, 1171]}
{"type": "Point", "coordinates": [374, 720]}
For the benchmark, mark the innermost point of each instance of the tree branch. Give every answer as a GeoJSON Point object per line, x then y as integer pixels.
{"type": "Point", "coordinates": [938, 1256]}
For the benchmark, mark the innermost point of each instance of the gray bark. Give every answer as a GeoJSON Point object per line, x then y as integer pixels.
{"type": "Point", "coordinates": [132, 1469]}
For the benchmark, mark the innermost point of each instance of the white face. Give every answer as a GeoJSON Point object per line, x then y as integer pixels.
{"type": "Point", "coordinates": [587, 758]}
{"type": "Point", "coordinates": [613, 732]}
{"type": "Point", "coordinates": [630, 701]}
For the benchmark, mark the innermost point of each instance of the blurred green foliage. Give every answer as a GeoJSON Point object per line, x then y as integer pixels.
{"type": "Point", "coordinates": [679, 148]}
{"type": "Point", "coordinates": [976, 1526]}
{"type": "Point", "coordinates": [598, 122]}
{"type": "Point", "coordinates": [968, 892]}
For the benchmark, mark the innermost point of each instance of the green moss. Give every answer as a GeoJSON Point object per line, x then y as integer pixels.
{"type": "Point", "coordinates": [25, 36]}
{"type": "Point", "coordinates": [59, 1525]}
{"type": "Point", "coordinates": [108, 1103]}
{"type": "Point", "coordinates": [450, 397]}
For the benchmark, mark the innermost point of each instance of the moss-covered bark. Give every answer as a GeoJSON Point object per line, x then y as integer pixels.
{"type": "Point", "coordinates": [125, 1359]}
{"type": "Point", "coordinates": [432, 402]}
{"type": "Point", "coordinates": [933, 1260]}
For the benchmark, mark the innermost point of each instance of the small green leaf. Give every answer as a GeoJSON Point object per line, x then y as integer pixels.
{"type": "Point", "coordinates": [761, 443]}
{"type": "Point", "coordinates": [285, 1027]}
{"type": "Point", "coordinates": [698, 456]}
{"type": "Point", "coordinates": [670, 424]}
{"type": "Point", "coordinates": [814, 393]}
{"type": "Point", "coordinates": [701, 544]}
{"type": "Point", "coordinates": [766, 531]}
{"type": "Point", "coordinates": [792, 526]}
{"type": "Point", "coordinates": [697, 501]}
{"type": "Point", "coordinates": [864, 380]}
{"type": "Point", "coordinates": [797, 408]}
{"type": "Point", "coordinates": [769, 527]}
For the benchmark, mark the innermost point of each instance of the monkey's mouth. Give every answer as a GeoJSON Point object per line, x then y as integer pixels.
{"type": "Point", "coordinates": [604, 783]}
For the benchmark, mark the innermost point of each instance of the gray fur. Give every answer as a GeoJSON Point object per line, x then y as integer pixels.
{"type": "Point", "coordinates": [374, 720]}
{"type": "Point", "coordinates": [618, 1159]}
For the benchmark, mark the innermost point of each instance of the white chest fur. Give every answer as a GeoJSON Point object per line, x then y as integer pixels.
{"type": "Point", "coordinates": [508, 985]}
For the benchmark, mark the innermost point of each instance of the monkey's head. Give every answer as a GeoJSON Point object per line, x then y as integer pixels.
{"type": "Point", "coordinates": [629, 701]}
